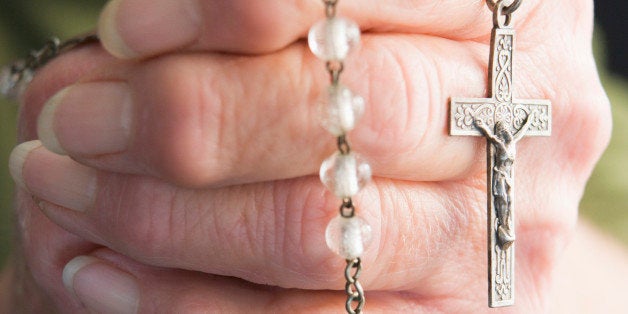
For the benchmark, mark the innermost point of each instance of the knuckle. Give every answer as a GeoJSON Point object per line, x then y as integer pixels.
{"type": "Point", "coordinates": [590, 112]}
{"type": "Point", "coordinates": [299, 220]}
{"type": "Point", "coordinates": [184, 125]}
{"type": "Point", "coordinates": [259, 28]}
{"type": "Point", "coordinates": [544, 242]}
{"type": "Point", "coordinates": [397, 119]}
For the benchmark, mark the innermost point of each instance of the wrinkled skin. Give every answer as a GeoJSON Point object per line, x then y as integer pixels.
{"type": "Point", "coordinates": [215, 198]}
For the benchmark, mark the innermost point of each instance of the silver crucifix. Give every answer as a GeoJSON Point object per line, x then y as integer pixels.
{"type": "Point", "coordinates": [503, 121]}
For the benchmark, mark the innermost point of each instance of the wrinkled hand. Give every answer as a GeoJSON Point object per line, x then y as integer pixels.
{"type": "Point", "coordinates": [183, 172]}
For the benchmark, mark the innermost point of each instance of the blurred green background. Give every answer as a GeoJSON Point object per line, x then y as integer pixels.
{"type": "Point", "coordinates": [27, 24]}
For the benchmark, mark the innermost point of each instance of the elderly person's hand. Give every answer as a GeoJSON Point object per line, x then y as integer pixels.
{"type": "Point", "coordinates": [181, 176]}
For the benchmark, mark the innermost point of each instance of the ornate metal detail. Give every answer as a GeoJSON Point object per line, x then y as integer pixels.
{"type": "Point", "coordinates": [464, 113]}
{"type": "Point", "coordinates": [503, 69]}
{"type": "Point", "coordinates": [503, 279]}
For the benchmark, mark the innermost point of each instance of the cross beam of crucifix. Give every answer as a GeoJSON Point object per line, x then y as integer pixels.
{"type": "Point", "coordinates": [503, 120]}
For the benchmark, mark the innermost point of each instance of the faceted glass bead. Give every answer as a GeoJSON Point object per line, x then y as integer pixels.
{"type": "Point", "coordinates": [333, 38]}
{"type": "Point", "coordinates": [345, 174]}
{"type": "Point", "coordinates": [348, 237]}
{"type": "Point", "coordinates": [340, 110]}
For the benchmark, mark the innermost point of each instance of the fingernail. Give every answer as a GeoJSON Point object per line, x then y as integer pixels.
{"type": "Point", "coordinates": [87, 119]}
{"type": "Point", "coordinates": [101, 287]}
{"type": "Point", "coordinates": [54, 178]}
{"type": "Point", "coordinates": [132, 29]}
{"type": "Point", "coordinates": [45, 124]}
{"type": "Point", "coordinates": [17, 158]}
{"type": "Point", "coordinates": [109, 33]}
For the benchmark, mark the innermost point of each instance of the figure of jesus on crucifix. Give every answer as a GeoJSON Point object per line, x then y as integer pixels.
{"type": "Point", "coordinates": [504, 143]}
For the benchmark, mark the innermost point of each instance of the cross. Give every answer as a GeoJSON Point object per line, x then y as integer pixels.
{"type": "Point", "coordinates": [503, 120]}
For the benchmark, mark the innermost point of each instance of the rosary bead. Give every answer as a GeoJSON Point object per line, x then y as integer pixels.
{"type": "Point", "coordinates": [12, 83]}
{"type": "Point", "coordinates": [7, 81]}
{"type": "Point", "coordinates": [341, 110]}
{"type": "Point", "coordinates": [27, 77]}
{"type": "Point", "coordinates": [333, 38]}
{"type": "Point", "coordinates": [345, 174]}
{"type": "Point", "coordinates": [348, 237]}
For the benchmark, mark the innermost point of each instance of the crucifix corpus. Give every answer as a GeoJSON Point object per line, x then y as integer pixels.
{"type": "Point", "coordinates": [503, 120]}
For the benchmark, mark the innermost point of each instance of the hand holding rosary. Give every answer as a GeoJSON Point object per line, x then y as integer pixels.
{"type": "Point", "coordinates": [410, 238]}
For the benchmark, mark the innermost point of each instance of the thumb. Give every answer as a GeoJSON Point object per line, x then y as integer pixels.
{"type": "Point", "coordinates": [144, 28]}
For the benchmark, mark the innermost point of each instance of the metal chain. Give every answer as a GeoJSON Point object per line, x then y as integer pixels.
{"type": "Point", "coordinates": [53, 48]}
{"type": "Point", "coordinates": [40, 57]}
{"type": "Point", "coordinates": [21, 71]}
{"type": "Point", "coordinates": [353, 288]}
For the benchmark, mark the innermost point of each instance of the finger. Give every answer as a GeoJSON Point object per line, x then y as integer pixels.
{"type": "Point", "coordinates": [268, 233]}
{"type": "Point", "coordinates": [274, 233]}
{"type": "Point", "coordinates": [106, 282]}
{"type": "Point", "coordinates": [140, 28]}
{"type": "Point", "coordinates": [40, 249]}
{"type": "Point", "coordinates": [210, 137]}
{"type": "Point", "coordinates": [49, 276]}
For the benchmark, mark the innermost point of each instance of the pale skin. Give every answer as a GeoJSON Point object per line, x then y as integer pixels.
{"type": "Point", "coordinates": [186, 166]}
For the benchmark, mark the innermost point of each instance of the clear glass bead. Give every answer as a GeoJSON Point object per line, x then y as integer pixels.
{"type": "Point", "coordinates": [7, 81]}
{"type": "Point", "coordinates": [348, 237]}
{"type": "Point", "coordinates": [25, 80]}
{"type": "Point", "coordinates": [14, 79]}
{"type": "Point", "coordinates": [333, 38]}
{"type": "Point", "coordinates": [345, 175]}
{"type": "Point", "coordinates": [340, 110]}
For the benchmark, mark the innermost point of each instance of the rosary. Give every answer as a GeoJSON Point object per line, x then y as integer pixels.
{"type": "Point", "coordinates": [501, 118]}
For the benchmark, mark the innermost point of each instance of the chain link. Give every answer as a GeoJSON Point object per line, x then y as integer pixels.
{"type": "Point", "coordinates": [334, 68]}
{"type": "Point", "coordinates": [507, 8]}
{"type": "Point", "coordinates": [347, 209]}
{"type": "Point", "coordinates": [498, 13]}
{"type": "Point", "coordinates": [343, 145]}
{"type": "Point", "coordinates": [330, 8]}
{"type": "Point", "coordinates": [353, 288]}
